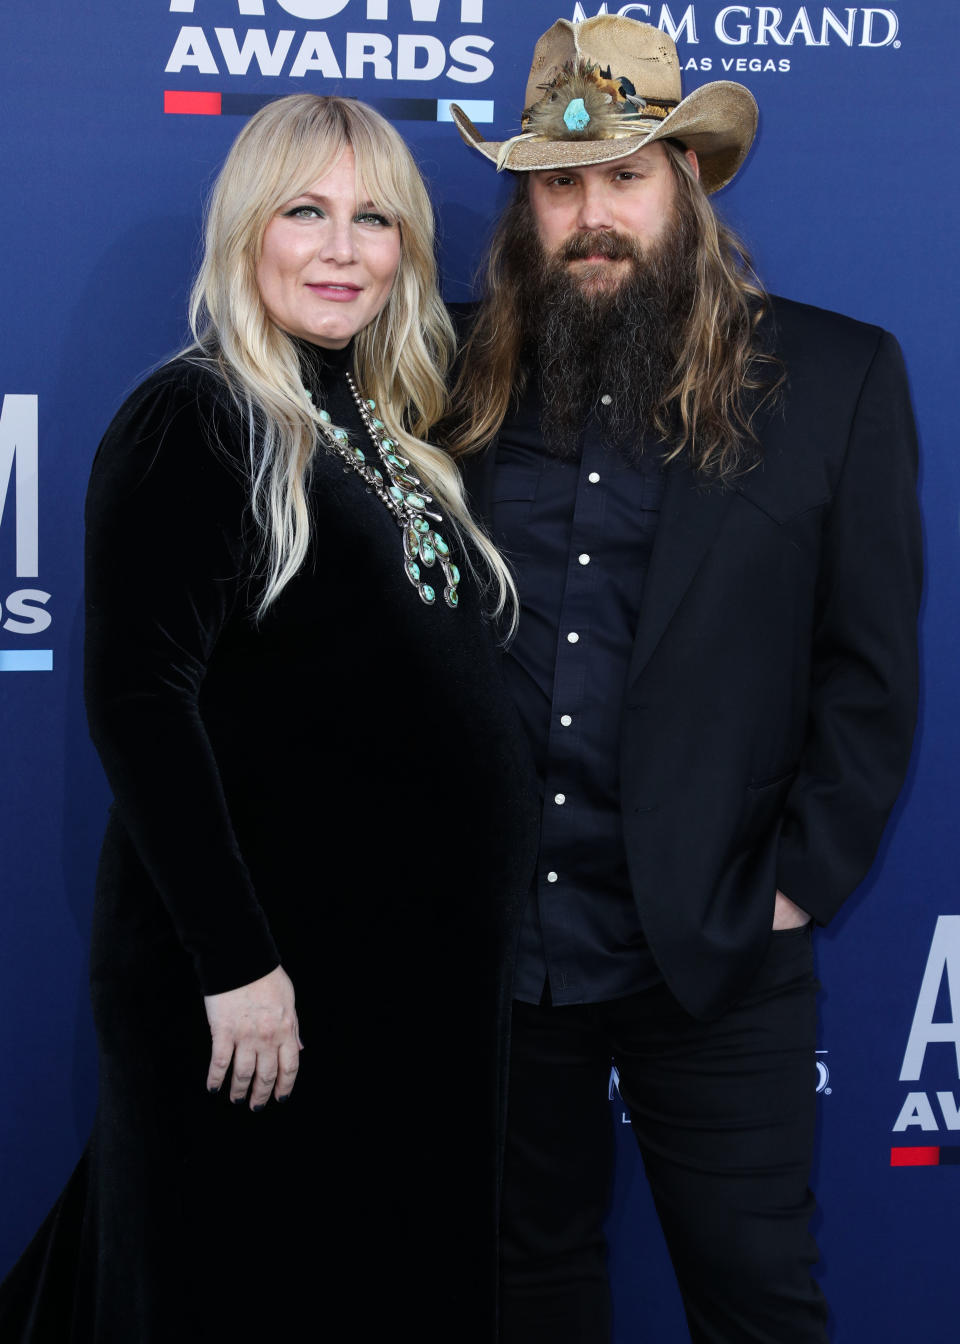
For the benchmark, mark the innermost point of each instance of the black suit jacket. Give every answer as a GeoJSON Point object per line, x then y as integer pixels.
{"type": "Point", "coordinates": [772, 690]}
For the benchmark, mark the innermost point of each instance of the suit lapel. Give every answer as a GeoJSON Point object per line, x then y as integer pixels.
{"type": "Point", "coordinates": [690, 519]}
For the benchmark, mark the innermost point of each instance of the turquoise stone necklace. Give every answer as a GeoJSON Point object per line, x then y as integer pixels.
{"type": "Point", "coordinates": [401, 491]}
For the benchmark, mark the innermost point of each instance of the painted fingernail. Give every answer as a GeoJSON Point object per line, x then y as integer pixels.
{"type": "Point", "coordinates": [214, 1091]}
{"type": "Point", "coordinates": [261, 1105]}
{"type": "Point", "coordinates": [284, 1098]}
{"type": "Point", "coordinates": [237, 1101]}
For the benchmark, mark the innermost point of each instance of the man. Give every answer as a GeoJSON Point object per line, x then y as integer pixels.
{"type": "Point", "coordinates": [708, 497]}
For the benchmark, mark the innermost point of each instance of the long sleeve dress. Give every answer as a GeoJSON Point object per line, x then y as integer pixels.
{"type": "Point", "coordinates": [338, 787]}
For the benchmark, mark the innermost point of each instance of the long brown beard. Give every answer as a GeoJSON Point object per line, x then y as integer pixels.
{"type": "Point", "coordinates": [583, 340]}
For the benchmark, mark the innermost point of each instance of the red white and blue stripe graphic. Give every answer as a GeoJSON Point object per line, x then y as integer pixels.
{"type": "Point", "coordinates": [181, 102]}
{"type": "Point", "coordinates": [26, 660]}
{"type": "Point", "coordinates": [921, 1156]}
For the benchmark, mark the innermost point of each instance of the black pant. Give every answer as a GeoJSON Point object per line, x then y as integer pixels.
{"type": "Point", "coordinates": [723, 1113]}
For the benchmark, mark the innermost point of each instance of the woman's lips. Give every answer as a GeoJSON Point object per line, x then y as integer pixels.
{"type": "Point", "coordinates": [337, 293]}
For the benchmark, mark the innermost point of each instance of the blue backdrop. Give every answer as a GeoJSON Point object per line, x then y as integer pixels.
{"type": "Point", "coordinates": [116, 117]}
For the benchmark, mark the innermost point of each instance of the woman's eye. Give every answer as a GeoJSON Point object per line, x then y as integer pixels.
{"type": "Point", "coordinates": [303, 212]}
{"type": "Point", "coordinates": [371, 217]}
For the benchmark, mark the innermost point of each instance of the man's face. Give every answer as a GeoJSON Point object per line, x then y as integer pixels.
{"type": "Point", "coordinates": [580, 211]}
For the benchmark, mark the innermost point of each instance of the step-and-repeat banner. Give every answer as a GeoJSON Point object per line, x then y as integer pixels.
{"type": "Point", "coordinates": [115, 119]}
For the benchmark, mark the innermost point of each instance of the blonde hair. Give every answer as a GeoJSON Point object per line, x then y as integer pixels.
{"type": "Point", "coordinates": [400, 358]}
{"type": "Point", "coordinates": [721, 375]}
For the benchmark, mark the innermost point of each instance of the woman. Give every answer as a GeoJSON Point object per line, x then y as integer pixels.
{"type": "Point", "coordinates": [322, 825]}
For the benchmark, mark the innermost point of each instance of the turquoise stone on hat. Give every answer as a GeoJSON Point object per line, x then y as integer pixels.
{"type": "Point", "coordinates": [427, 593]}
{"type": "Point", "coordinates": [576, 117]}
{"type": "Point", "coordinates": [421, 525]}
{"type": "Point", "coordinates": [324, 415]}
{"type": "Point", "coordinates": [452, 573]}
{"type": "Point", "coordinates": [371, 403]}
{"type": "Point", "coordinates": [395, 461]}
{"type": "Point", "coordinates": [413, 571]}
{"type": "Point", "coordinates": [427, 553]}
{"type": "Point", "coordinates": [396, 493]}
{"type": "Point", "coordinates": [416, 501]}
{"type": "Point", "coordinates": [442, 547]}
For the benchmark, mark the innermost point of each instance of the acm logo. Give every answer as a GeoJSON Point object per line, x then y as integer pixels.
{"type": "Point", "coordinates": [326, 52]}
{"type": "Point", "coordinates": [425, 11]}
{"type": "Point", "coordinates": [936, 1023]}
{"type": "Point", "coordinates": [23, 610]}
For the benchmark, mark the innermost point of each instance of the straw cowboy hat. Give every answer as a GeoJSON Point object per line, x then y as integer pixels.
{"type": "Point", "coordinates": [600, 89]}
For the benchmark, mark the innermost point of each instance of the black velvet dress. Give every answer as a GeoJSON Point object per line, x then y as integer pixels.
{"type": "Point", "coordinates": [341, 788]}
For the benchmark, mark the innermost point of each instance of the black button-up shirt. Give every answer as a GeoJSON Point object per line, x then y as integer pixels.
{"type": "Point", "coordinates": [579, 534]}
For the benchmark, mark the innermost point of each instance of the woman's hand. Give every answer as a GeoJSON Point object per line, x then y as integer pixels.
{"type": "Point", "coordinates": [255, 1026]}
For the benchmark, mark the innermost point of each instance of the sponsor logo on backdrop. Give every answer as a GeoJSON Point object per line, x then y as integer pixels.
{"type": "Point", "coordinates": [613, 1092]}
{"type": "Point", "coordinates": [929, 1116]}
{"type": "Point", "coordinates": [23, 606]}
{"type": "Point", "coordinates": [362, 46]}
{"type": "Point", "coordinates": [823, 1075]}
{"type": "Point", "coordinates": [768, 31]}
{"type": "Point", "coordinates": [613, 1087]}
{"type": "Point", "coordinates": [368, 45]}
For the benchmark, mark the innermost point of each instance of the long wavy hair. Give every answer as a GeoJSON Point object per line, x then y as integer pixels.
{"type": "Point", "coordinates": [400, 358]}
{"type": "Point", "coordinates": [721, 375]}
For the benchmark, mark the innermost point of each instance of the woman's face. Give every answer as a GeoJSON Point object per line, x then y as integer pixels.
{"type": "Point", "coordinates": [328, 261]}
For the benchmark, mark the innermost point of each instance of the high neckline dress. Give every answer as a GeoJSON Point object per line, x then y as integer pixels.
{"type": "Point", "coordinates": [339, 786]}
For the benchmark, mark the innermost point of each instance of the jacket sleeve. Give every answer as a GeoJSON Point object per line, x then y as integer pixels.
{"type": "Point", "coordinates": [164, 569]}
{"type": "Point", "coordinates": [863, 692]}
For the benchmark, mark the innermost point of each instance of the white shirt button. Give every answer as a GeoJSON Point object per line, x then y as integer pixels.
{"type": "Point", "coordinates": [572, 637]}
{"type": "Point", "coordinates": [560, 799]}
{"type": "Point", "coordinates": [551, 877]}
{"type": "Point", "coordinates": [584, 559]}
{"type": "Point", "coordinates": [566, 720]}
{"type": "Point", "coordinates": [593, 477]}
{"type": "Point", "coordinates": [606, 399]}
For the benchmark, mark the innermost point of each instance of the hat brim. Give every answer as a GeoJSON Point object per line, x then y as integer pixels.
{"type": "Point", "coordinates": [718, 122]}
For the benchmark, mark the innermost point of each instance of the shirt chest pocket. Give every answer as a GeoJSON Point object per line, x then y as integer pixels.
{"type": "Point", "coordinates": [514, 492]}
